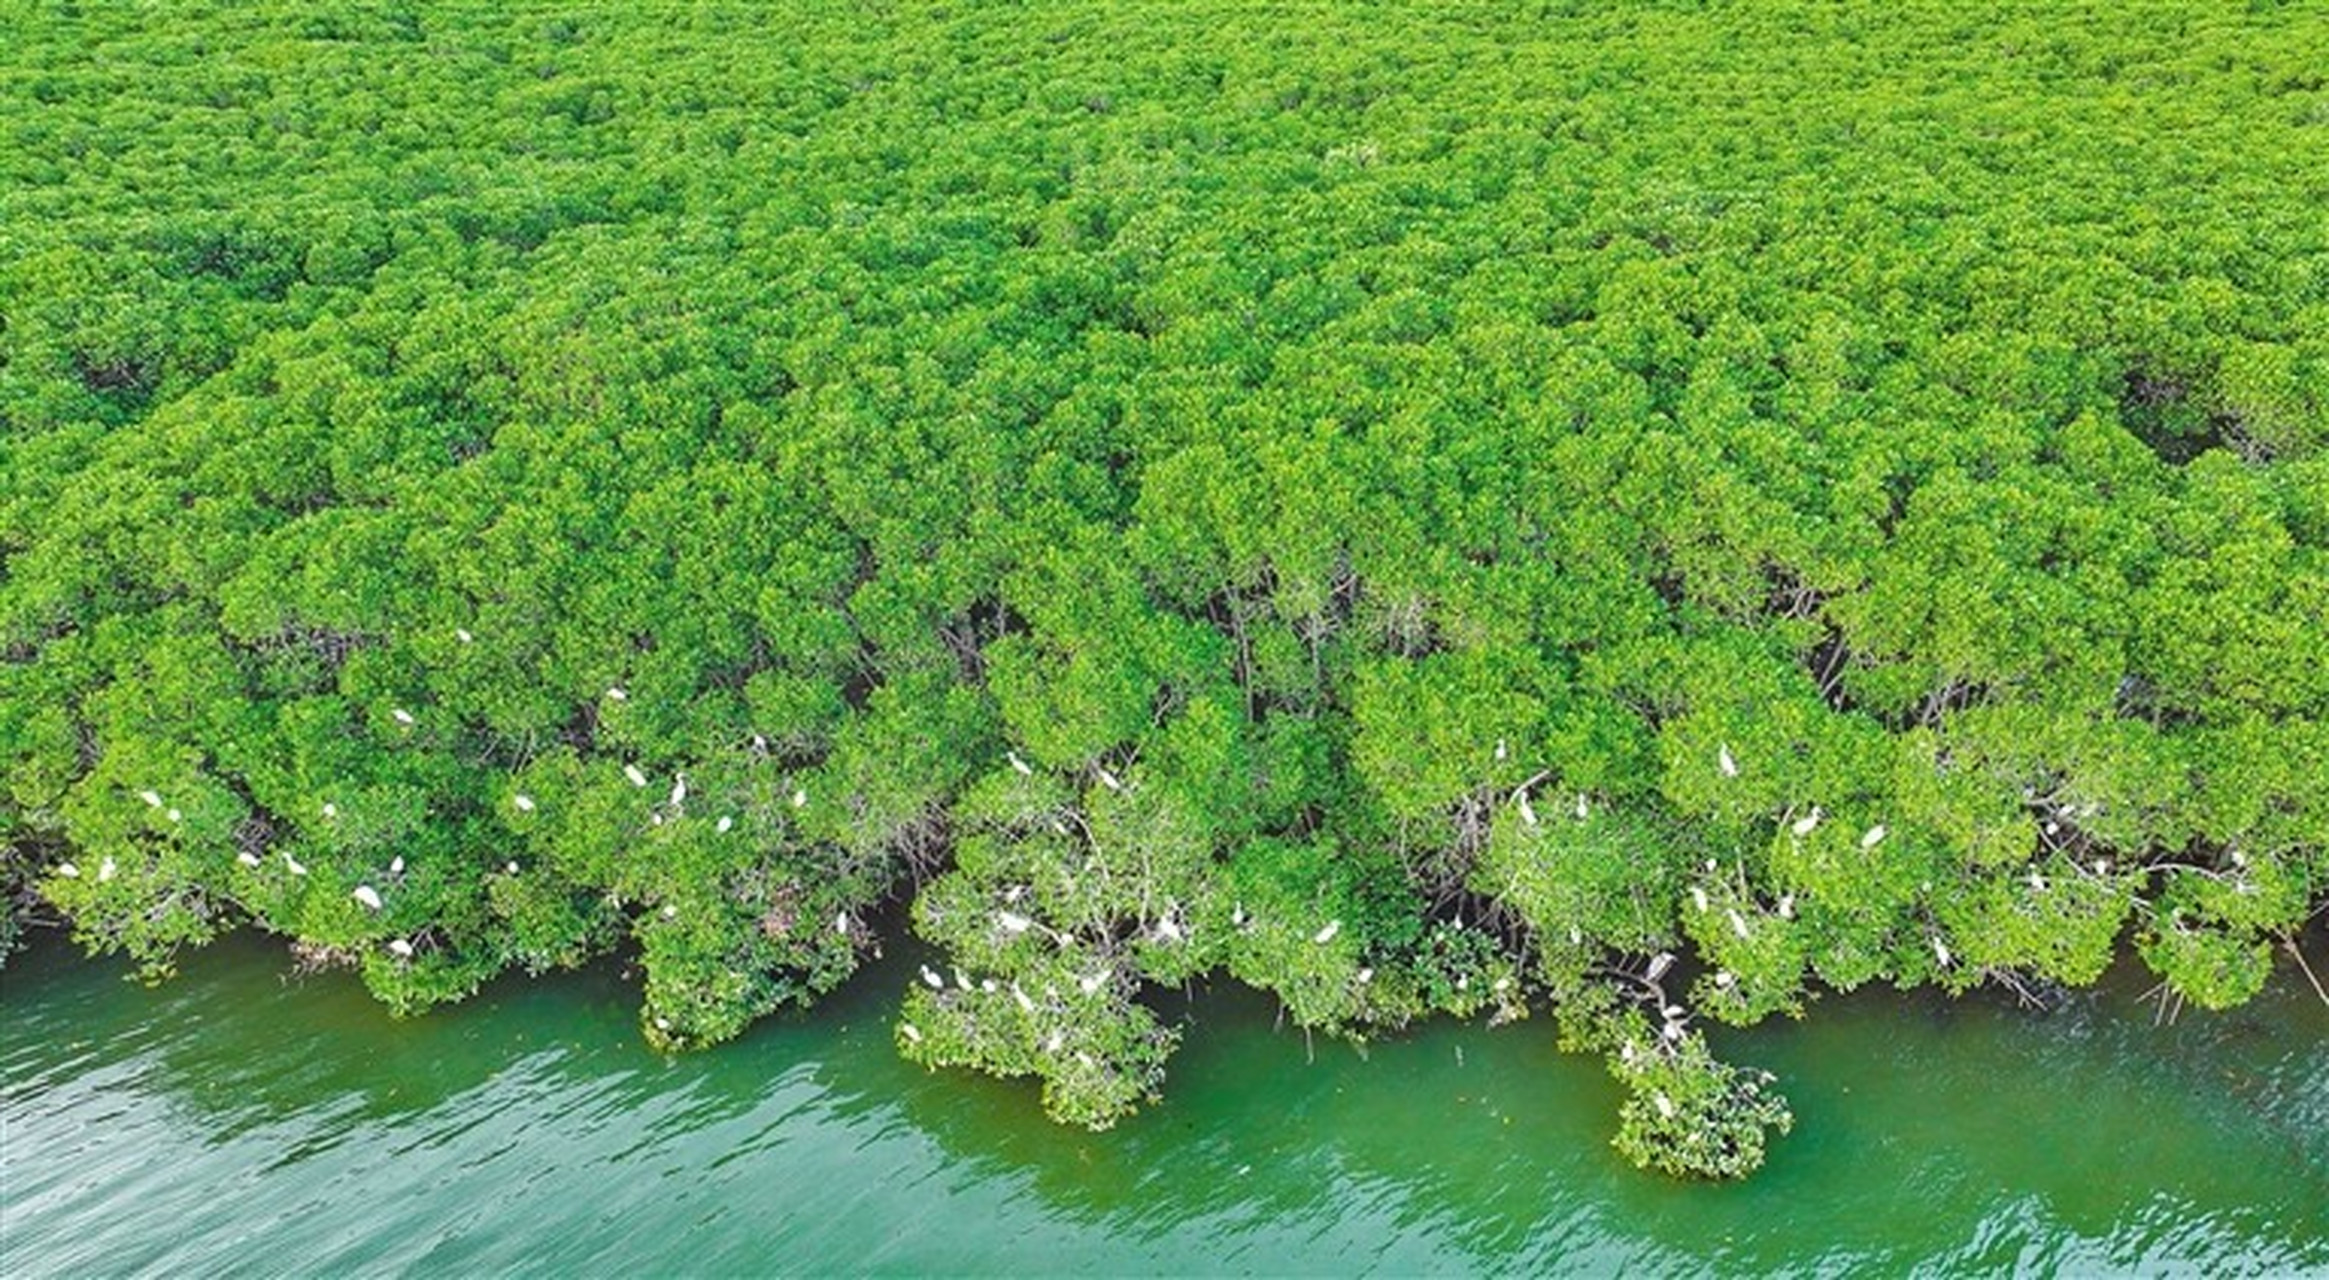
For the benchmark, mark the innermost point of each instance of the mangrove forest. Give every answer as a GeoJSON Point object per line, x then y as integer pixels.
{"type": "Point", "coordinates": [1647, 514]}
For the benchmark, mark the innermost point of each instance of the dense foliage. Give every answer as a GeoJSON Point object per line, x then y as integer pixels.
{"type": "Point", "coordinates": [1428, 508]}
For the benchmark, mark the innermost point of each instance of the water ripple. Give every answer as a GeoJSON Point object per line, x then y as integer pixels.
{"type": "Point", "coordinates": [233, 1122]}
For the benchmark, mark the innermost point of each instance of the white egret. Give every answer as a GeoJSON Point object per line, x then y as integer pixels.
{"type": "Point", "coordinates": [1110, 781]}
{"type": "Point", "coordinates": [1326, 935]}
{"type": "Point", "coordinates": [637, 778]}
{"type": "Point", "coordinates": [1787, 906]}
{"type": "Point", "coordinates": [841, 924]}
{"type": "Point", "coordinates": [173, 815]}
{"type": "Point", "coordinates": [1025, 1005]}
{"type": "Point", "coordinates": [1013, 922]}
{"type": "Point", "coordinates": [106, 870]}
{"type": "Point", "coordinates": [1665, 1105]}
{"type": "Point", "coordinates": [931, 979]}
{"type": "Point", "coordinates": [294, 865]}
{"type": "Point", "coordinates": [1024, 769]}
{"type": "Point", "coordinates": [462, 634]}
{"type": "Point", "coordinates": [68, 871]}
{"type": "Point", "coordinates": [399, 948]}
{"type": "Point", "coordinates": [153, 799]}
{"type": "Point", "coordinates": [1698, 897]}
{"type": "Point", "coordinates": [1500, 752]}
{"type": "Point", "coordinates": [1527, 811]}
{"type": "Point", "coordinates": [524, 802]}
{"type": "Point", "coordinates": [1874, 837]}
{"type": "Point", "coordinates": [401, 716]}
{"type": "Point", "coordinates": [396, 865]}
{"type": "Point", "coordinates": [1941, 952]}
{"type": "Point", "coordinates": [615, 693]}
{"type": "Point", "coordinates": [910, 1032]}
{"type": "Point", "coordinates": [724, 824]}
{"type": "Point", "coordinates": [1366, 976]}
{"type": "Point", "coordinates": [1584, 810]}
{"type": "Point", "coordinates": [678, 790]}
{"type": "Point", "coordinates": [1093, 982]}
{"type": "Point", "coordinates": [1738, 922]}
{"type": "Point", "coordinates": [1659, 964]}
{"type": "Point", "coordinates": [330, 810]}
{"type": "Point", "coordinates": [367, 895]}
{"type": "Point", "coordinates": [800, 797]}
{"type": "Point", "coordinates": [510, 867]}
{"type": "Point", "coordinates": [1808, 823]}
{"type": "Point", "coordinates": [1726, 762]}
{"type": "Point", "coordinates": [247, 858]}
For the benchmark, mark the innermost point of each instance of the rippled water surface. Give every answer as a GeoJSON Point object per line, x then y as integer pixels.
{"type": "Point", "coordinates": [237, 1120]}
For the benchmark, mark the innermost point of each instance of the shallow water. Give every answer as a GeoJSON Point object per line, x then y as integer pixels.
{"type": "Point", "coordinates": [239, 1120]}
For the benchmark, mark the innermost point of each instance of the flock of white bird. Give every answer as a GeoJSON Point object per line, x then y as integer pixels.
{"type": "Point", "coordinates": [1167, 930]}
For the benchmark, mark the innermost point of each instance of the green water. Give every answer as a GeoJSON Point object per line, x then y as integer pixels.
{"type": "Point", "coordinates": [241, 1120]}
